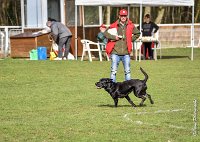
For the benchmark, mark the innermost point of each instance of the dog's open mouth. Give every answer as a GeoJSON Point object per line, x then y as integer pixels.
{"type": "Point", "coordinates": [98, 85]}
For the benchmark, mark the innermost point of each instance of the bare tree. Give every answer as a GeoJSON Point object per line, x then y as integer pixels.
{"type": "Point", "coordinates": [147, 10]}
{"type": "Point", "coordinates": [197, 16]}
{"type": "Point", "coordinates": [10, 12]}
{"type": "Point", "coordinates": [161, 12]}
{"type": "Point", "coordinates": [108, 15]}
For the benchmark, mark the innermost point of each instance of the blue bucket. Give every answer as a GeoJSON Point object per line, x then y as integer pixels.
{"type": "Point", "coordinates": [42, 53]}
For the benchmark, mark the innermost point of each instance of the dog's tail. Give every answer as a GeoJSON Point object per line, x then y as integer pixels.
{"type": "Point", "coordinates": [145, 74]}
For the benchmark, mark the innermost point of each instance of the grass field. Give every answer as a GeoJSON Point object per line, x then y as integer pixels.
{"type": "Point", "coordinates": [51, 101]}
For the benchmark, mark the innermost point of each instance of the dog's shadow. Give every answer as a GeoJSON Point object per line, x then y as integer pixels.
{"type": "Point", "coordinates": [112, 106]}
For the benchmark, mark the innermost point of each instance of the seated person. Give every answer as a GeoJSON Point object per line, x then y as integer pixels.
{"type": "Point", "coordinates": [102, 39]}
{"type": "Point", "coordinates": [100, 36]}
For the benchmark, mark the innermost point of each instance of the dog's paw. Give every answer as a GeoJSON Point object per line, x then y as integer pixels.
{"type": "Point", "coordinates": [141, 104]}
{"type": "Point", "coordinates": [152, 102]}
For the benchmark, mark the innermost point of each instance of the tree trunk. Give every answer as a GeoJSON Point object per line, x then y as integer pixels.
{"type": "Point", "coordinates": [147, 10]}
{"type": "Point", "coordinates": [108, 15]}
{"type": "Point", "coordinates": [161, 12]}
{"type": "Point", "coordinates": [3, 11]}
{"type": "Point", "coordinates": [173, 19]}
{"type": "Point", "coordinates": [197, 17]}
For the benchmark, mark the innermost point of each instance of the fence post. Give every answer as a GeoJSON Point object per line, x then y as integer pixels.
{"type": "Point", "coordinates": [6, 42]}
{"type": "Point", "coordinates": [2, 42]}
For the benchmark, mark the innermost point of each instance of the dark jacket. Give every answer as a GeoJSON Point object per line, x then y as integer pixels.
{"type": "Point", "coordinates": [101, 38]}
{"type": "Point", "coordinates": [148, 29]}
{"type": "Point", "coordinates": [59, 30]}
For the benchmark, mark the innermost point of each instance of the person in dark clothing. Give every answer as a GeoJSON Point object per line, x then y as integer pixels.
{"type": "Point", "coordinates": [51, 19]}
{"type": "Point", "coordinates": [62, 36]}
{"type": "Point", "coordinates": [148, 30]}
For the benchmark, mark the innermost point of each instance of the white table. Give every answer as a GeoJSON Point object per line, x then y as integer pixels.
{"type": "Point", "coordinates": [145, 39]}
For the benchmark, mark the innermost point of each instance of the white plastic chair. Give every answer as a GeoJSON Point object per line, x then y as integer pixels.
{"type": "Point", "coordinates": [137, 49]}
{"type": "Point", "coordinates": [103, 49]}
{"type": "Point", "coordinates": [196, 46]}
{"type": "Point", "coordinates": [157, 46]}
{"type": "Point", "coordinates": [86, 48]}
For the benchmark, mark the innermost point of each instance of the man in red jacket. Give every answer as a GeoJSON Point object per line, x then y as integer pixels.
{"type": "Point", "coordinates": [120, 36]}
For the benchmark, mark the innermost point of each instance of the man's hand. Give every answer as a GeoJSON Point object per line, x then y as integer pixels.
{"type": "Point", "coordinates": [117, 38]}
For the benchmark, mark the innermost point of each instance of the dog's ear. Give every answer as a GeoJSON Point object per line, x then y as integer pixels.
{"type": "Point", "coordinates": [102, 79]}
{"type": "Point", "coordinates": [111, 80]}
{"type": "Point", "coordinates": [108, 80]}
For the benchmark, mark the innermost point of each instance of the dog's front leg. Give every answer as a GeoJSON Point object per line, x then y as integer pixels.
{"type": "Point", "coordinates": [130, 101]}
{"type": "Point", "coordinates": [116, 101]}
{"type": "Point", "coordinates": [151, 101]}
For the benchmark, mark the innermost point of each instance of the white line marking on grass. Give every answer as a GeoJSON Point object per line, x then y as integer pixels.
{"type": "Point", "coordinates": [126, 116]}
{"type": "Point", "coordinates": [163, 111]}
{"type": "Point", "coordinates": [178, 127]}
{"type": "Point", "coordinates": [159, 111]}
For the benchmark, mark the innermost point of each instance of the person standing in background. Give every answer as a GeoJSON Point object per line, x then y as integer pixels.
{"type": "Point", "coordinates": [62, 36]}
{"type": "Point", "coordinates": [148, 29]}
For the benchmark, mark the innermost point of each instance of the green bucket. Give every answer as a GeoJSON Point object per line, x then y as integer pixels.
{"type": "Point", "coordinates": [33, 54]}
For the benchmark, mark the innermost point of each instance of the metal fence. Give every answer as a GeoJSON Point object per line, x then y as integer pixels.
{"type": "Point", "coordinates": [5, 33]}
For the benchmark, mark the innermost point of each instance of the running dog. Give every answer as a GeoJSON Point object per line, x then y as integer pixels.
{"type": "Point", "coordinates": [123, 89]}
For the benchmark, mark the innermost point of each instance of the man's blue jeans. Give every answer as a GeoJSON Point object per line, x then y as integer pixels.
{"type": "Point", "coordinates": [115, 59]}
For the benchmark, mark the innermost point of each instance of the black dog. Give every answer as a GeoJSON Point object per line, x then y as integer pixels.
{"type": "Point", "coordinates": [123, 89]}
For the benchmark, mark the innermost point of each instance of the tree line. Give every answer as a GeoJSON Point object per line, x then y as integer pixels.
{"type": "Point", "coordinates": [10, 11]}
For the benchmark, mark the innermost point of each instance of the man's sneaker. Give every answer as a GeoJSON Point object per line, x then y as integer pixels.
{"type": "Point", "coordinates": [57, 58]}
{"type": "Point", "coordinates": [64, 58]}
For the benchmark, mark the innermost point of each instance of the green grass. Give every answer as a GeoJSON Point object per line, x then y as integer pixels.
{"type": "Point", "coordinates": [55, 101]}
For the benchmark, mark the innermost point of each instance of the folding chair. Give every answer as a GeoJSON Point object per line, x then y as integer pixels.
{"type": "Point", "coordinates": [87, 48]}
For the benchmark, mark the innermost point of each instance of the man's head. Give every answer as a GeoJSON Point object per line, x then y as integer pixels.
{"type": "Point", "coordinates": [123, 15]}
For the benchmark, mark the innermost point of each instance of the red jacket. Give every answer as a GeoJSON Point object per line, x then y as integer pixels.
{"type": "Point", "coordinates": [129, 30]}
